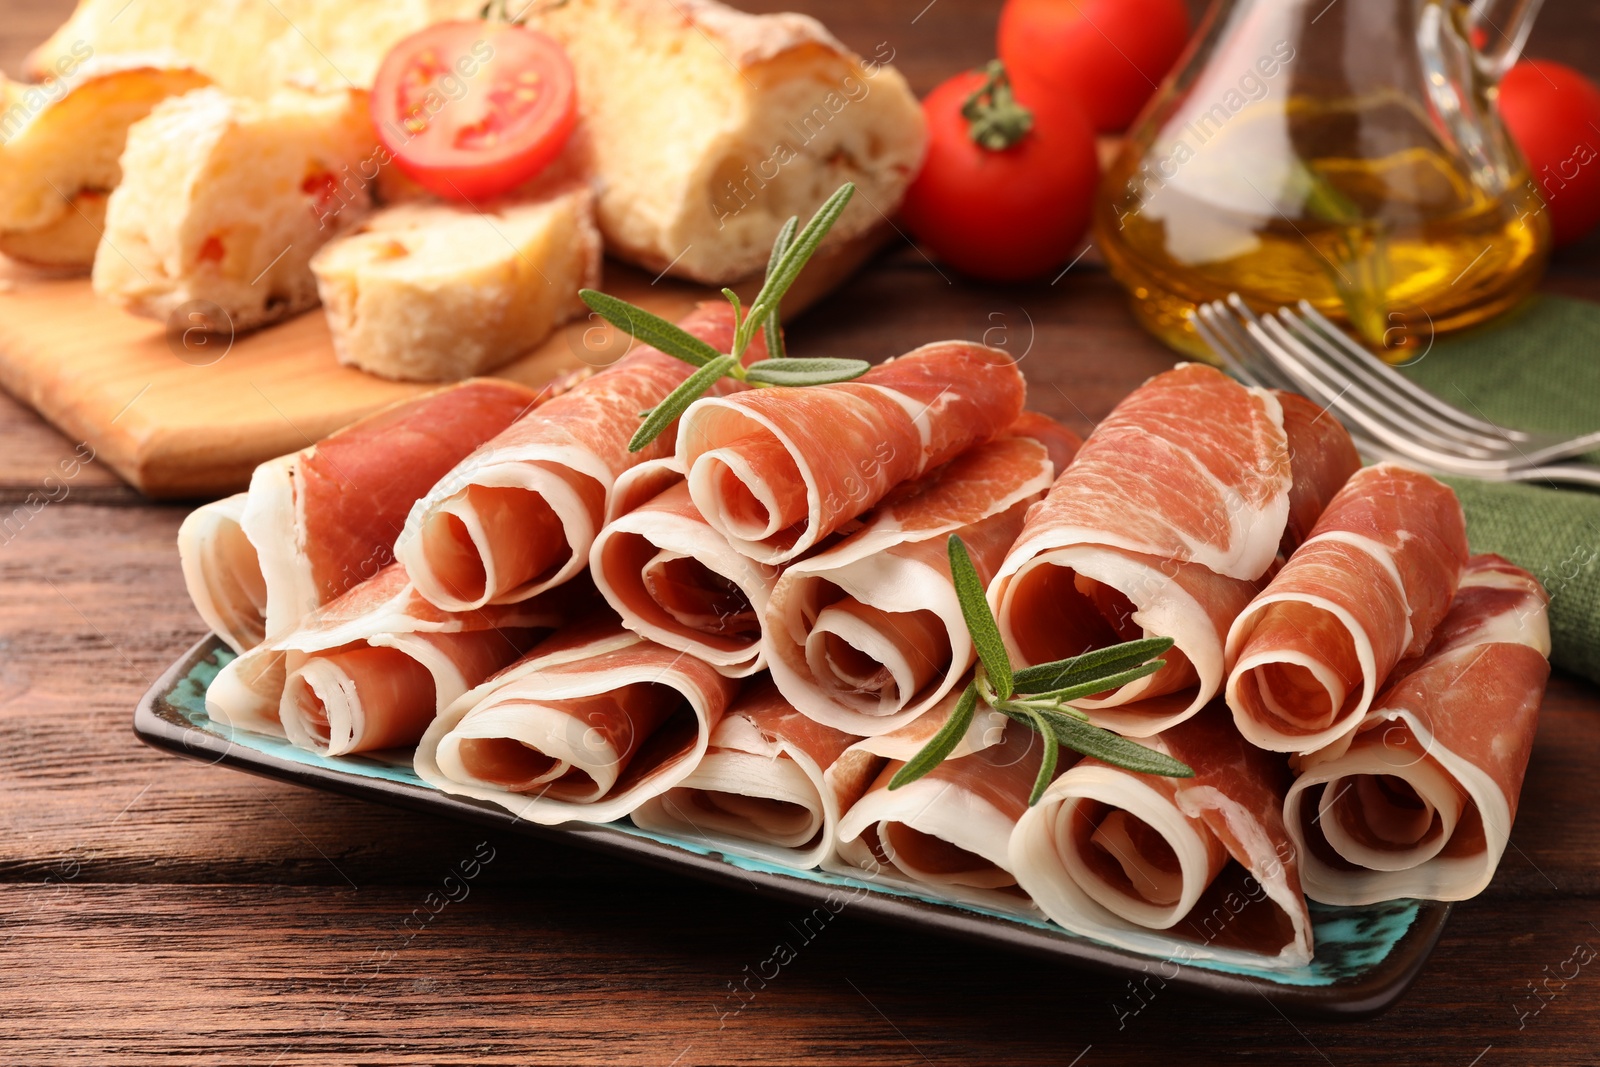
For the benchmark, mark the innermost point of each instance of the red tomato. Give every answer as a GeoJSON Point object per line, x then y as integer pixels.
{"type": "Point", "coordinates": [1005, 214]}
{"type": "Point", "coordinates": [471, 110]}
{"type": "Point", "coordinates": [1109, 55]}
{"type": "Point", "coordinates": [1553, 113]}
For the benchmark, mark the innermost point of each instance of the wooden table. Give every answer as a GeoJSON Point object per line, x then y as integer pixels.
{"type": "Point", "coordinates": [155, 910]}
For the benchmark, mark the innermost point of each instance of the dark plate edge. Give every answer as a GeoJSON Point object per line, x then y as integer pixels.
{"type": "Point", "coordinates": [1363, 998]}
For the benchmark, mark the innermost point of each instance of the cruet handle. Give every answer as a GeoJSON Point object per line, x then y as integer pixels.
{"type": "Point", "coordinates": [1499, 28]}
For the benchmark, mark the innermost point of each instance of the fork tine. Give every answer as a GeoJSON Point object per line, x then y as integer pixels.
{"type": "Point", "coordinates": [1238, 350]}
{"type": "Point", "coordinates": [1285, 350]}
{"type": "Point", "coordinates": [1397, 404]}
{"type": "Point", "coordinates": [1358, 404]}
{"type": "Point", "coordinates": [1357, 360]}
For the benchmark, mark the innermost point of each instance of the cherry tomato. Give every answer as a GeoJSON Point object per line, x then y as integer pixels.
{"type": "Point", "coordinates": [1553, 113]}
{"type": "Point", "coordinates": [1109, 55]}
{"type": "Point", "coordinates": [1009, 213]}
{"type": "Point", "coordinates": [471, 110]}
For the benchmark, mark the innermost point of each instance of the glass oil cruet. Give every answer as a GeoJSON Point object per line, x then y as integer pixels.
{"type": "Point", "coordinates": [1346, 152]}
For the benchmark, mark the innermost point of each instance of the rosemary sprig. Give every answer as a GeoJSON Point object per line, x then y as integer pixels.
{"type": "Point", "coordinates": [791, 251]}
{"type": "Point", "coordinates": [1037, 696]}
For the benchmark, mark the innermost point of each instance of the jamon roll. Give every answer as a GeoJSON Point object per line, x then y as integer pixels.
{"type": "Point", "coordinates": [324, 519]}
{"type": "Point", "coordinates": [1420, 803]}
{"type": "Point", "coordinates": [1163, 526]}
{"type": "Point", "coordinates": [589, 725]}
{"type": "Point", "coordinates": [371, 669]}
{"type": "Point", "coordinates": [868, 634]}
{"type": "Point", "coordinates": [518, 517]}
{"type": "Point", "coordinates": [1198, 868]}
{"type": "Point", "coordinates": [777, 470]}
{"type": "Point", "coordinates": [677, 581]}
{"type": "Point", "coordinates": [1363, 592]}
{"type": "Point", "coordinates": [760, 788]}
{"type": "Point", "coordinates": [946, 833]}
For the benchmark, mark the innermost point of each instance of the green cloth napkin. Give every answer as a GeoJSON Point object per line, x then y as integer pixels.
{"type": "Point", "coordinates": [1536, 369]}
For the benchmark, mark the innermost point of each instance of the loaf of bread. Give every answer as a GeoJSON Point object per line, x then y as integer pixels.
{"type": "Point", "coordinates": [706, 127]}
{"type": "Point", "coordinates": [59, 146]}
{"type": "Point", "coordinates": [709, 127]}
{"type": "Point", "coordinates": [226, 200]}
{"type": "Point", "coordinates": [438, 292]}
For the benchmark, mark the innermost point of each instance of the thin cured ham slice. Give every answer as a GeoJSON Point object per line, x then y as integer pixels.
{"type": "Point", "coordinates": [1198, 868]}
{"type": "Point", "coordinates": [777, 470]}
{"type": "Point", "coordinates": [1362, 593]}
{"type": "Point", "coordinates": [370, 669]}
{"type": "Point", "coordinates": [1118, 549]}
{"type": "Point", "coordinates": [589, 725]}
{"type": "Point", "coordinates": [760, 789]}
{"type": "Point", "coordinates": [222, 571]}
{"type": "Point", "coordinates": [677, 581]}
{"type": "Point", "coordinates": [519, 516]}
{"type": "Point", "coordinates": [317, 522]}
{"type": "Point", "coordinates": [1191, 467]}
{"type": "Point", "coordinates": [1419, 803]}
{"type": "Point", "coordinates": [946, 833]}
{"type": "Point", "coordinates": [868, 634]}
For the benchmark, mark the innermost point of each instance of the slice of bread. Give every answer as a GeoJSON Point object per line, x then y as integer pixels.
{"type": "Point", "coordinates": [709, 127]}
{"type": "Point", "coordinates": [59, 146]}
{"type": "Point", "coordinates": [226, 200]}
{"type": "Point", "coordinates": [437, 292]}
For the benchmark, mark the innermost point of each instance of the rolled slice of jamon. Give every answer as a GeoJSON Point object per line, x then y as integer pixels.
{"type": "Point", "coordinates": [1190, 869]}
{"type": "Point", "coordinates": [222, 571]}
{"type": "Point", "coordinates": [1365, 591]}
{"type": "Point", "coordinates": [371, 669]}
{"type": "Point", "coordinates": [777, 470]}
{"type": "Point", "coordinates": [1118, 551]}
{"type": "Point", "coordinates": [677, 581]}
{"type": "Point", "coordinates": [759, 790]}
{"type": "Point", "coordinates": [868, 634]}
{"type": "Point", "coordinates": [593, 722]}
{"type": "Point", "coordinates": [518, 517]}
{"type": "Point", "coordinates": [944, 835]}
{"type": "Point", "coordinates": [319, 521]}
{"type": "Point", "coordinates": [1420, 801]}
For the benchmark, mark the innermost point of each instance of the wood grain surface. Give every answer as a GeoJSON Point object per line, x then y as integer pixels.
{"type": "Point", "coordinates": [157, 911]}
{"type": "Point", "coordinates": [180, 414]}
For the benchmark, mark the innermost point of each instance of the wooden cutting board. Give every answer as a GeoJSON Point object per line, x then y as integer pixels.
{"type": "Point", "coordinates": [183, 416]}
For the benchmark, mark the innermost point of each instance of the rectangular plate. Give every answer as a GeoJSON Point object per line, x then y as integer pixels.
{"type": "Point", "coordinates": [1365, 957]}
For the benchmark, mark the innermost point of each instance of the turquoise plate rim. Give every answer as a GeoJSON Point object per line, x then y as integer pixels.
{"type": "Point", "coordinates": [1366, 958]}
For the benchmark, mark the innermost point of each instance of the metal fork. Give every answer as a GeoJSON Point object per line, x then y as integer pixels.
{"type": "Point", "coordinates": [1389, 416]}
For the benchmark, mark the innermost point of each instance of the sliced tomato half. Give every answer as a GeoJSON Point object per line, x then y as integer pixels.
{"type": "Point", "coordinates": [470, 109]}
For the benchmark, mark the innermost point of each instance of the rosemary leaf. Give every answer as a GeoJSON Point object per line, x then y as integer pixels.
{"type": "Point", "coordinates": [1100, 684]}
{"type": "Point", "coordinates": [678, 401]}
{"type": "Point", "coordinates": [794, 258]}
{"type": "Point", "coordinates": [806, 371]}
{"type": "Point", "coordinates": [772, 326]}
{"type": "Point", "coordinates": [652, 329]}
{"type": "Point", "coordinates": [980, 621]}
{"type": "Point", "coordinates": [1111, 748]}
{"type": "Point", "coordinates": [942, 743]}
{"type": "Point", "coordinates": [1090, 666]}
{"type": "Point", "coordinates": [1052, 753]}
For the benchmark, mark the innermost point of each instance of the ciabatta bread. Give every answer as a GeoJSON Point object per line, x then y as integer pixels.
{"type": "Point", "coordinates": [706, 127]}
{"type": "Point", "coordinates": [226, 200]}
{"type": "Point", "coordinates": [709, 127]}
{"type": "Point", "coordinates": [59, 146]}
{"type": "Point", "coordinates": [438, 292]}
